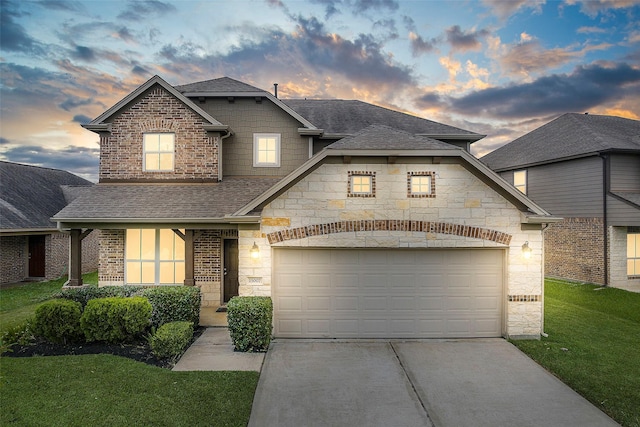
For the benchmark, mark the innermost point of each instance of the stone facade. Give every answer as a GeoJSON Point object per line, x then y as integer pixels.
{"type": "Point", "coordinates": [466, 213]}
{"type": "Point", "coordinates": [121, 151]}
{"type": "Point", "coordinates": [574, 248]}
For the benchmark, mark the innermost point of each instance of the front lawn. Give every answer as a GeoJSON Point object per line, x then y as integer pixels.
{"type": "Point", "coordinates": [105, 390]}
{"type": "Point", "coordinates": [593, 345]}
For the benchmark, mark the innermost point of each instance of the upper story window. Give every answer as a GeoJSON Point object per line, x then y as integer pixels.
{"type": "Point", "coordinates": [159, 152]}
{"type": "Point", "coordinates": [362, 184]}
{"type": "Point", "coordinates": [266, 150]}
{"type": "Point", "coordinates": [633, 251]}
{"type": "Point", "coordinates": [520, 180]}
{"type": "Point", "coordinates": [421, 184]}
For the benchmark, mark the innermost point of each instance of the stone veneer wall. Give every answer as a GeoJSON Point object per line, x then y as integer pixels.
{"type": "Point", "coordinates": [196, 153]}
{"type": "Point", "coordinates": [574, 249]}
{"type": "Point", "coordinates": [461, 200]}
{"type": "Point", "coordinates": [13, 250]}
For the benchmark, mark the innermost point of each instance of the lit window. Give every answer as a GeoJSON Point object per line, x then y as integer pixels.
{"type": "Point", "coordinates": [633, 254]}
{"type": "Point", "coordinates": [158, 151]}
{"type": "Point", "coordinates": [520, 181]}
{"type": "Point", "coordinates": [421, 184]}
{"type": "Point", "coordinates": [361, 184]}
{"type": "Point", "coordinates": [266, 150]}
{"type": "Point", "coordinates": [154, 257]}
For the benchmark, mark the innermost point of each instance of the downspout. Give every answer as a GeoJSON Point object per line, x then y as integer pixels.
{"type": "Point", "coordinates": [605, 190]}
{"type": "Point", "coordinates": [543, 333]}
{"type": "Point", "coordinates": [222, 138]}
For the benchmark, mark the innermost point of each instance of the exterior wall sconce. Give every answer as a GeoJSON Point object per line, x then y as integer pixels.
{"type": "Point", "coordinates": [526, 250]}
{"type": "Point", "coordinates": [255, 251]}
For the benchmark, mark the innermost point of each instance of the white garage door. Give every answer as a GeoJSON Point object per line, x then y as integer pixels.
{"type": "Point", "coordinates": [393, 293]}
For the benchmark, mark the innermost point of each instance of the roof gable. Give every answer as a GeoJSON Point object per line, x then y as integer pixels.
{"type": "Point", "coordinates": [569, 136]}
{"type": "Point", "coordinates": [220, 85]}
{"type": "Point", "coordinates": [31, 195]}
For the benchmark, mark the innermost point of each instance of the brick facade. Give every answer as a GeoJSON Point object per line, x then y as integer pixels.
{"type": "Point", "coordinates": [196, 152]}
{"type": "Point", "coordinates": [574, 249]}
{"type": "Point", "coordinates": [13, 250]}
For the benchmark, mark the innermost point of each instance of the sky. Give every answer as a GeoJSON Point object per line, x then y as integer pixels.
{"type": "Point", "coordinates": [498, 68]}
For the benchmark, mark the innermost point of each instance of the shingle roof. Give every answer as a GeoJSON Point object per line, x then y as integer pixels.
{"type": "Point", "coordinates": [379, 137]}
{"type": "Point", "coordinates": [175, 202]}
{"type": "Point", "coordinates": [222, 84]}
{"type": "Point", "coordinates": [570, 135]}
{"type": "Point", "coordinates": [339, 116]}
{"type": "Point", "coordinates": [31, 195]}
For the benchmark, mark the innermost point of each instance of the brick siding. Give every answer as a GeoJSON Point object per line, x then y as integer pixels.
{"type": "Point", "coordinates": [196, 152]}
{"type": "Point", "coordinates": [13, 266]}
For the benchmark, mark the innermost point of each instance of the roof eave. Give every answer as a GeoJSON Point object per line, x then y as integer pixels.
{"type": "Point", "coordinates": [472, 137]}
{"type": "Point", "coordinates": [69, 223]}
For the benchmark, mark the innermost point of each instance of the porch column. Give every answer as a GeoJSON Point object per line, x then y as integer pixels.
{"type": "Point", "coordinates": [75, 258]}
{"type": "Point", "coordinates": [188, 258]}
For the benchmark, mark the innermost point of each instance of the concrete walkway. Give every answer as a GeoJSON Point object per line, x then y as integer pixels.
{"type": "Point", "coordinates": [444, 383]}
{"type": "Point", "coordinates": [213, 351]}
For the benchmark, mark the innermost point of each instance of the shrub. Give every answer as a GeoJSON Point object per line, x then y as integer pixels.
{"type": "Point", "coordinates": [250, 322]}
{"type": "Point", "coordinates": [83, 294]}
{"type": "Point", "coordinates": [171, 339]}
{"type": "Point", "coordinates": [58, 321]}
{"type": "Point", "coordinates": [21, 334]}
{"type": "Point", "coordinates": [115, 319]}
{"type": "Point", "coordinates": [173, 304]}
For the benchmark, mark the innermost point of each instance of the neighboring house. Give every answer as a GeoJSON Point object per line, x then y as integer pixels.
{"type": "Point", "coordinates": [585, 168]}
{"type": "Point", "coordinates": [31, 247]}
{"type": "Point", "coordinates": [353, 227]}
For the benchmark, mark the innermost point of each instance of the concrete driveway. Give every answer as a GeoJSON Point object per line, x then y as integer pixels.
{"type": "Point", "coordinates": [413, 383]}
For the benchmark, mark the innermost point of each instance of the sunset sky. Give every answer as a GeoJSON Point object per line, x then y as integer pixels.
{"type": "Point", "coordinates": [500, 68]}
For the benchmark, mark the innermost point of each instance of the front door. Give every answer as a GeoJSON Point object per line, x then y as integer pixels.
{"type": "Point", "coordinates": [36, 256]}
{"type": "Point", "coordinates": [230, 269]}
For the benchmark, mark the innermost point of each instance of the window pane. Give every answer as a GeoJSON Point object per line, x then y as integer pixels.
{"type": "Point", "coordinates": [165, 161]}
{"type": "Point", "coordinates": [166, 142]}
{"type": "Point", "coordinates": [271, 157]}
{"type": "Point", "coordinates": [631, 245]}
{"type": "Point", "coordinates": [148, 272]}
{"type": "Point", "coordinates": [262, 157]}
{"type": "Point", "coordinates": [166, 273]}
{"type": "Point", "coordinates": [178, 253]}
{"type": "Point", "coordinates": [132, 244]}
{"type": "Point", "coordinates": [420, 184]}
{"type": "Point", "coordinates": [151, 161]}
{"type": "Point", "coordinates": [148, 246]}
{"type": "Point", "coordinates": [179, 272]}
{"type": "Point", "coordinates": [133, 272]}
{"type": "Point", "coordinates": [636, 269]}
{"type": "Point", "coordinates": [166, 244]}
{"type": "Point", "coordinates": [151, 142]}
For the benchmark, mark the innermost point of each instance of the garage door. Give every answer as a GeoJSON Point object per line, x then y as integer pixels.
{"type": "Point", "coordinates": [371, 293]}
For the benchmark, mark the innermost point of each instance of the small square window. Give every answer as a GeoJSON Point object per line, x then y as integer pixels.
{"type": "Point", "coordinates": [266, 150]}
{"type": "Point", "coordinates": [361, 184]}
{"type": "Point", "coordinates": [421, 184]}
{"type": "Point", "coordinates": [159, 152]}
{"type": "Point", "coordinates": [520, 181]}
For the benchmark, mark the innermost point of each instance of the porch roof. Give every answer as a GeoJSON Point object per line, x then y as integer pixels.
{"type": "Point", "coordinates": [162, 202]}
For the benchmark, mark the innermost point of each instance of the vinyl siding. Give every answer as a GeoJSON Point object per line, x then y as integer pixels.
{"type": "Point", "coordinates": [620, 213]}
{"type": "Point", "coordinates": [625, 172]}
{"type": "Point", "coordinates": [568, 189]}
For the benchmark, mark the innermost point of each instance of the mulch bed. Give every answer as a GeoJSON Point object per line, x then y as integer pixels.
{"type": "Point", "coordinates": [139, 351]}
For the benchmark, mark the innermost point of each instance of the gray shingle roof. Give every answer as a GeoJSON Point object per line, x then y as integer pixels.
{"type": "Point", "coordinates": [341, 116]}
{"type": "Point", "coordinates": [570, 135]}
{"type": "Point", "coordinates": [164, 201]}
{"type": "Point", "coordinates": [379, 137]}
{"type": "Point", "coordinates": [222, 84]}
{"type": "Point", "coordinates": [31, 195]}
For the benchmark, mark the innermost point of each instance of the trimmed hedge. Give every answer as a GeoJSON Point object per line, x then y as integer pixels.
{"type": "Point", "coordinates": [115, 319]}
{"type": "Point", "coordinates": [58, 321]}
{"type": "Point", "coordinates": [249, 321]}
{"type": "Point", "coordinates": [171, 339]}
{"type": "Point", "coordinates": [173, 304]}
{"type": "Point", "coordinates": [84, 294]}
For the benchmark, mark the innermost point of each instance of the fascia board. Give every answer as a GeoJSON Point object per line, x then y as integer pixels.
{"type": "Point", "coordinates": [222, 222]}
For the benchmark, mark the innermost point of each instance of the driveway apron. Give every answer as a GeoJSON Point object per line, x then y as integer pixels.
{"type": "Point", "coordinates": [446, 383]}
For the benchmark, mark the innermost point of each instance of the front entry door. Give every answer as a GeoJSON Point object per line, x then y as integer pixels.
{"type": "Point", "coordinates": [230, 269]}
{"type": "Point", "coordinates": [36, 256]}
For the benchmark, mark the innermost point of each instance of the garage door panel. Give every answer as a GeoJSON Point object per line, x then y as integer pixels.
{"type": "Point", "coordinates": [349, 293]}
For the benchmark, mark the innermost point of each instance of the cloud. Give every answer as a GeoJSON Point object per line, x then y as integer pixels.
{"type": "Point", "coordinates": [4, 141]}
{"type": "Point", "coordinates": [73, 102]}
{"type": "Point", "coordinates": [67, 6]}
{"type": "Point", "coordinates": [13, 36]}
{"type": "Point", "coordinates": [593, 8]}
{"type": "Point", "coordinates": [465, 41]}
{"type": "Point", "coordinates": [585, 88]}
{"type": "Point", "coordinates": [504, 9]}
{"type": "Point", "coordinates": [81, 118]}
{"type": "Point", "coordinates": [84, 53]}
{"type": "Point", "coordinates": [419, 46]}
{"type": "Point", "coordinates": [361, 6]}
{"type": "Point", "coordinates": [139, 10]}
{"type": "Point", "coordinates": [529, 57]}
{"type": "Point", "coordinates": [591, 30]}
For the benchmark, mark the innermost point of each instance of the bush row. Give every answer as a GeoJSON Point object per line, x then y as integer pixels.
{"type": "Point", "coordinates": [171, 339]}
{"type": "Point", "coordinates": [249, 321]}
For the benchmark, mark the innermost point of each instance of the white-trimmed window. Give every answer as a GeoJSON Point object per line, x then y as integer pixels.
{"type": "Point", "coordinates": [361, 184]}
{"type": "Point", "coordinates": [421, 184]}
{"type": "Point", "coordinates": [266, 150]}
{"type": "Point", "coordinates": [158, 152]}
{"type": "Point", "coordinates": [520, 181]}
{"type": "Point", "coordinates": [633, 253]}
{"type": "Point", "coordinates": [154, 257]}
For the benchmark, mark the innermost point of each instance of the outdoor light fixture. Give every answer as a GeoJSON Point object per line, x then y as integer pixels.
{"type": "Point", "coordinates": [526, 250]}
{"type": "Point", "coordinates": [255, 251]}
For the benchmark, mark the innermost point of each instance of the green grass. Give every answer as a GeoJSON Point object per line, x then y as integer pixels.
{"type": "Point", "coordinates": [19, 303]}
{"type": "Point", "coordinates": [105, 390]}
{"type": "Point", "coordinates": [593, 345]}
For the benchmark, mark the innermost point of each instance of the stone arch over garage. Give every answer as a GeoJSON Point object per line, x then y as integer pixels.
{"type": "Point", "coordinates": [389, 225]}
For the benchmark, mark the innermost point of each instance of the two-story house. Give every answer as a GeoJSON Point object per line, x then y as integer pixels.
{"type": "Point", "coordinates": [357, 220]}
{"type": "Point", "coordinates": [585, 168]}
